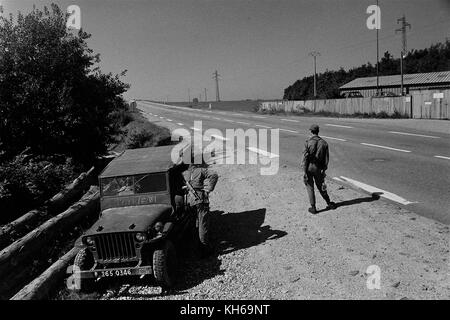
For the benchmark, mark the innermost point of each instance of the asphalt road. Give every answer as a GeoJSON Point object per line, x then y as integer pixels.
{"type": "Point", "coordinates": [410, 167]}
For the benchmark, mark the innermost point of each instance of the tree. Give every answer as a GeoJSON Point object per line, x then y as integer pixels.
{"type": "Point", "coordinates": [435, 58]}
{"type": "Point", "coordinates": [53, 97]}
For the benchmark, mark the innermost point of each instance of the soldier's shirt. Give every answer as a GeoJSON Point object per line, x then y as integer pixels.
{"type": "Point", "coordinates": [315, 154]}
{"type": "Point", "coordinates": [201, 178]}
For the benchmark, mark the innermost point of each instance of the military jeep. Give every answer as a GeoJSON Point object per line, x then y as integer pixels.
{"type": "Point", "coordinates": [141, 219]}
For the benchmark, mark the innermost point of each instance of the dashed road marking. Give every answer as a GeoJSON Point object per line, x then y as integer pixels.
{"type": "Point", "coordinates": [242, 122]}
{"type": "Point", "coordinates": [338, 125]}
{"type": "Point", "coordinates": [442, 157]}
{"type": "Point", "coordinates": [339, 139]}
{"type": "Point", "coordinates": [293, 131]}
{"type": "Point", "coordinates": [290, 120]}
{"type": "Point", "coordinates": [259, 117]}
{"type": "Point", "coordinates": [383, 147]}
{"type": "Point", "coordinates": [260, 125]}
{"type": "Point", "coordinates": [196, 129]}
{"type": "Point", "coordinates": [382, 193]}
{"type": "Point", "coordinates": [414, 134]}
{"type": "Point", "coordinates": [217, 118]}
{"type": "Point", "coordinates": [263, 152]}
{"type": "Point", "coordinates": [180, 124]}
{"type": "Point", "coordinates": [169, 120]}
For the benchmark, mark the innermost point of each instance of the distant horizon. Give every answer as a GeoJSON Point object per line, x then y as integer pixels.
{"type": "Point", "coordinates": [259, 47]}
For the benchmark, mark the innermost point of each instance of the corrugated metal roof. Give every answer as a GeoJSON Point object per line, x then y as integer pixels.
{"type": "Point", "coordinates": [395, 80]}
{"type": "Point", "coordinates": [140, 161]}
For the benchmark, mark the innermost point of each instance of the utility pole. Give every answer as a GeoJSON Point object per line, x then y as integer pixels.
{"type": "Point", "coordinates": [378, 59]}
{"type": "Point", "coordinates": [314, 54]}
{"type": "Point", "coordinates": [404, 25]}
{"type": "Point", "coordinates": [189, 95]}
{"type": "Point", "coordinates": [216, 77]}
{"type": "Point", "coordinates": [206, 97]}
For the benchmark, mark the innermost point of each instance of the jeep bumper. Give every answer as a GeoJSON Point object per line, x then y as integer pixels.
{"type": "Point", "coordinates": [114, 272]}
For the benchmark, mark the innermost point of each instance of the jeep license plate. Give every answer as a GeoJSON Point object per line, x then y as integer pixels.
{"type": "Point", "coordinates": [116, 273]}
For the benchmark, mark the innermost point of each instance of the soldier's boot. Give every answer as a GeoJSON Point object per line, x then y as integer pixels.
{"type": "Point", "coordinates": [312, 210]}
{"type": "Point", "coordinates": [331, 205]}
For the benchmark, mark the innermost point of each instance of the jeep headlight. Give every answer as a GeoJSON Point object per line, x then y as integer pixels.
{"type": "Point", "coordinates": [159, 226]}
{"type": "Point", "coordinates": [140, 236]}
{"type": "Point", "coordinates": [89, 241]}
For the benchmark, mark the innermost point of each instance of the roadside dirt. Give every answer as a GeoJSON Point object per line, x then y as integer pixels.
{"type": "Point", "coordinates": [269, 247]}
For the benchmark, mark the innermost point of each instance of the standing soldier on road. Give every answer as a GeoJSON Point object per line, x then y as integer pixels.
{"type": "Point", "coordinates": [314, 164]}
{"type": "Point", "coordinates": [203, 181]}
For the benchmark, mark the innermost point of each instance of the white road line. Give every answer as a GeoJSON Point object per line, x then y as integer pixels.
{"type": "Point", "coordinates": [195, 129]}
{"type": "Point", "coordinates": [260, 125]}
{"type": "Point", "coordinates": [383, 193]}
{"type": "Point", "coordinates": [259, 117]}
{"type": "Point", "coordinates": [228, 120]}
{"type": "Point", "coordinates": [293, 131]}
{"type": "Point", "coordinates": [263, 152]}
{"type": "Point", "coordinates": [442, 157]}
{"type": "Point", "coordinates": [414, 134]}
{"type": "Point", "coordinates": [290, 120]}
{"type": "Point", "coordinates": [235, 114]}
{"type": "Point", "coordinates": [169, 120]}
{"type": "Point", "coordinates": [180, 124]}
{"type": "Point", "coordinates": [339, 139]}
{"type": "Point", "coordinates": [217, 118]}
{"type": "Point", "coordinates": [383, 147]}
{"type": "Point", "coordinates": [242, 122]}
{"type": "Point", "coordinates": [337, 125]}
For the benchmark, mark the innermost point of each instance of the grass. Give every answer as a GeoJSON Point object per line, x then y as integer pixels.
{"type": "Point", "coordinates": [140, 133]}
{"type": "Point", "coordinates": [306, 112]}
{"type": "Point", "coordinates": [242, 105]}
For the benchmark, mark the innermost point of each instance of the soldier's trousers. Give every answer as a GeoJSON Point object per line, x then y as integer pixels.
{"type": "Point", "coordinates": [203, 224]}
{"type": "Point", "coordinates": [318, 178]}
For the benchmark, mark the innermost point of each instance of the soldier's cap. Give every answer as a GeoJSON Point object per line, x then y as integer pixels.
{"type": "Point", "coordinates": [314, 127]}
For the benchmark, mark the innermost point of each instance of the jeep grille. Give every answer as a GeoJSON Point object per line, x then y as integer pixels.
{"type": "Point", "coordinates": [114, 247]}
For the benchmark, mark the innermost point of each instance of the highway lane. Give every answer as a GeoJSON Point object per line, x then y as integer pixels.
{"type": "Point", "coordinates": [409, 169]}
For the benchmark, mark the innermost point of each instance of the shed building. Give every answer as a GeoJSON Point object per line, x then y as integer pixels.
{"type": "Point", "coordinates": [391, 85]}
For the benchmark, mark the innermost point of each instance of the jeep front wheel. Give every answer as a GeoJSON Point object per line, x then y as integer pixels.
{"type": "Point", "coordinates": [84, 261]}
{"type": "Point", "coordinates": [165, 264]}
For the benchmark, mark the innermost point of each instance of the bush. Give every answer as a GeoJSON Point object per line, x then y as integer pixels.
{"type": "Point", "coordinates": [139, 138]}
{"type": "Point", "coordinates": [26, 182]}
{"type": "Point", "coordinates": [141, 133]}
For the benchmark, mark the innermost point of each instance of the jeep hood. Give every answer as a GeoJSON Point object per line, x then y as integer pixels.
{"type": "Point", "coordinates": [135, 218]}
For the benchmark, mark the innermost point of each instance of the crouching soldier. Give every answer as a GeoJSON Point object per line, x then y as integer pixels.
{"type": "Point", "coordinates": [203, 181]}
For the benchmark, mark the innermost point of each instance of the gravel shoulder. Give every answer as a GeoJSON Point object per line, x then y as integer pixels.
{"type": "Point", "coordinates": [269, 247]}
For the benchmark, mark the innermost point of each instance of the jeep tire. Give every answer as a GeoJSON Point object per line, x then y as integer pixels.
{"type": "Point", "coordinates": [84, 261]}
{"type": "Point", "coordinates": [165, 264]}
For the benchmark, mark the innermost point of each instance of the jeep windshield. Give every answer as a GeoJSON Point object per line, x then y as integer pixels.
{"type": "Point", "coordinates": [130, 185]}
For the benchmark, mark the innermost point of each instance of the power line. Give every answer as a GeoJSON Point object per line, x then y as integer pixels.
{"type": "Point", "coordinates": [216, 76]}
{"type": "Point", "coordinates": [404, 24]}
{"type": "Point", "coordinates": [314, 54]}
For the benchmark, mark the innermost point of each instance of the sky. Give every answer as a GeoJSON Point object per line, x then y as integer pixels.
{"type": "Point", "coordinates": [259, 47]}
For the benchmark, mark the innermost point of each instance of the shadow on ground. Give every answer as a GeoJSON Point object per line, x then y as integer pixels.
{"type": "Point", "coordinates": [239, 230]}
{"type": "Point", "coordinates": [374, 197]}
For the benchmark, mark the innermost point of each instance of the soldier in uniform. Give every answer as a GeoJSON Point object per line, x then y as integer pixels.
{"type": "Point", "coordinates": [314, 164]}
{"type": "Point", "coordinates": [203, 181]}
